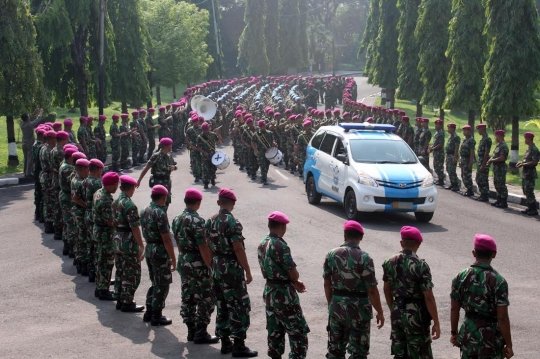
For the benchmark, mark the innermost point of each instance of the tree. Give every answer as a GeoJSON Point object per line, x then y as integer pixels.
{"type": "Point", "coordinates": [410, 86]}
{"type": "Point", "coordinates": [252, 47]}
{"type": "Point", "coordinates": [302, 33]}
{"type": "Point", "coordinates": [130, 83]}
{"type": "Point", "coordinates": [512, 68]}
{"type": "Point", "coordinates": [369, 40]}
{"type": "Point", "coordinates": [289, 35]}
{"type": "Point", "coordinates": [432, 36]}
{"type": "Point", "coordinates": [21, 82]}
{"type": "Point", "coordinates": [271, 35]}
{"type": "Point", "coordinates": [466, 53]}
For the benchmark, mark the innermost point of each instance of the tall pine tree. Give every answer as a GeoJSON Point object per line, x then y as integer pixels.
{"type": "Point", "coordinates": [252, 47]}
{"type": "Point", "coordinates": [271, 35]}
{"type": "Point", "coordinates": [512, 69]}
{"type": "Point", "coordinates": [432, 36]}
{"type": "Point", "coordinates": [466, 53]}
{"type": "Point", "coordinates": [369, 40]}
{"type": "Point", "coordinates": [289, 35]}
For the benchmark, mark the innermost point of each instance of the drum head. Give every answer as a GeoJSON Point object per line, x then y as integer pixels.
{"type": "Point", "coordinates": [218, 158]}
{"type": "Point", "coordinates": [271, 152]}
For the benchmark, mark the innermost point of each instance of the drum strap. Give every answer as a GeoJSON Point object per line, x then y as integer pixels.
{"type": "Point", "coordinates": [263, 140]}
{"type": "Point", "coordinates": [209, 143]}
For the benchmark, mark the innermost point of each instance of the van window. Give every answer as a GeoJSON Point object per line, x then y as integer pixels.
{"type": "Point", "coordinates": [327, 144]}
{"type": "Point", "coordinates": [317, 139]}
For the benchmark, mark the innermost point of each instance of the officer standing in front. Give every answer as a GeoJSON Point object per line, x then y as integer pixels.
{"type": "Point", "coordinates": [408, 289]}
{"type": "Point", "coordinates": [483, 294]}
{"type": "Point", "coordinates": [351, 291]}
{"type": "Point", "coordinates": [528, 173]}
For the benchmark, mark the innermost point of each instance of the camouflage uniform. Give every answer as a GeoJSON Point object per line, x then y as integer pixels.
{"type": "Point", "coordinates": [176, 130]}
{"type": "Point", "coordinates": [198, 300]}
{"type": "Point", "coordinates": [115, 146]}
{"type": "Point", "coordinates": [416, 141]}
{"type": "Point", "coordinates": [438, 155]}
{"type": "Point", "coordinates": [103, 235]}
{"type": "Point", "coordinates": [69, 230]}
{"type": "Point", "coordinates": [283, 311]}
{"type": "Point", "coordinates": [143, 145]}
{"type": "Point", "coordinates": [453, 143]}
{"type": "Point", "coordinates": [294, 133]}
{"type": "Point", "coordinates": [302, 142]}
{"type": "Point", "coordinates": [99, 133]}
{"type": "Point", "coordinates": [207, 143]}
{"type": "Point", "coordinates": [529, 175]}
{"type": "Point", "coordinates": [38, 192]}
{"type": "Point", "coordinates": [151, 135]}
{"type": "Point", "coordinates": [482, 177]}
{"type": "Point", "coordinates": [424, 140]}
{"type": "Point", "coordinates": [252, 165]}
{"type": "Point", "coordinates": [128, 268]}
{"type": "Point", "coordinates": [263, 141]}
{"type": "Point", "coordinates": [92, 153]}
{"type": "Point", "coordinates": [195, 157]}
{"type": "Point", "coordinates": [284, 144]}
{"type": "Point", "coordinates": [57, 156]}
{"type": "Point", "coordinates": [81, 233]}
{"type": "Point", "coordinates": [159, 163]}
{"type": "Point", "coordinates": [135, 142]}
{"type": "Point", "coordinates": [154, 223]}
{"type": "Point", "coordinates": [124, 145]}
{"type": "Point", "coordinates": [228, 280]}
{"type": "Point", "coordinates": [82, 135]}
{"type": "Point", "coordinates": [164, 130]}
{"type": "Point", "coordinates": [45, 178]}
{"type": "Point", "coordinates": [91, 185]}
{"type": "Point", "coordinates": [406, 132]}
{"type": "Point", "coordinates": [72, 138]}
{"type": "Point", "coordinates": [480, 290]}
{"type": "Point", "coordinates": [499, 170]}
{"type": "Point", "coordinates": [409, 276]}
{"type": "Point", "coordinates": [351, 273]}
{"type": "Point", "coordinates": [467, 147]}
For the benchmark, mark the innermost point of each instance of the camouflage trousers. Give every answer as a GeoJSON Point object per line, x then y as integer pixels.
{"type": "Point", "coordinates": [102, 152]}
{"type": "Point", "coordinates": [233, 303]}
{"type": "Point", "coordinates": [91, 245]}
{"type": "Point", "coordinates": [151, 145]}
{"type": "Point", "coordinates": [208, 169]}
{"type": "Point", "coordinates": [48, 209]}
{"type": "Point", "coordinates": [499, 180]}
{"type": "Point", "coordinates": [252, 164]}
{"type": "Point", "coordinates": [158, 262]}
{"type": "Point", "coordinates": [348, 329]}
{"type": "Point", "coordinates": [81, 237]}
{"type": "Point", "coordinates": [124, 154]}
{"type": "Point", "coordinates": [451, 168]}
{"type": "Point", "coordinates": [285, 150]}
{"type": "Point", "coordinates": [409, 339]}
{"type": "Point", "coordinates": [143, 145]}
{"type": "Point", "coordinates": [480, 341]}
{"type": "Point", "coordinates": [238, 149]}
{"type": "Point", "coordinates": [198, 300]}
{"type": "Point", "coordinates": [92, 153]}
{"type": "Point", "coordinates": [482, 180]}
{"type": "Point", "coordinates": [438, 164]}
{"type": "Point", "coordinates": [527, 185]}
{"type": "Point", "coordinates": [57, 210]}
{"type": "Point", "coordinates": [38, 198]}
{"type": "Point", "coordinates": [105, 255]}
{"type": "Point", "coordinates": [466, 175]}
{"type": "Point", "coordinates": [115, 149]}
{"type": "Point", "coordinates": [69, 229]}
{"type": "Point", "coordinates": [264, 165]}
{"type": "Point", "coordinates": [292, 159]}
{"type": "Point", "coordinates": [301, 161]}
{"type": "Point", "coordinates": [176, 135]}
{"type": "Point", "coordinates": [135, 144]}
{"type": "Point", "coordinates": [284, 316]}
{"type": "Point", "coordinates": [128, 268]}
{"type": "Point", "coordinates": [195, 161]}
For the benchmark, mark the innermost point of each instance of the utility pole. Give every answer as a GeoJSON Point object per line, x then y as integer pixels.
{"type": "Point", "coordinates": [333, 51]}
{"type": "Point", "coordinates": [101, 89]}
{"type": "Point", "coordinates": [218, 53]}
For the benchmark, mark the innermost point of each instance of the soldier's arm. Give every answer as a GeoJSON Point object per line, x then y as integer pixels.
{"type": "Point", "coordinates": [328, 290]}
{"type": "Point", "coordinates": [138, 238]}
{"type": "Point", "coordinates": [167, 241]}
{"type": "Point", "coordinates": [143, 173]}
{"type": "Point", "coordinates": [76, 199]}
{"type": "Point", "coordinates": [504, 325]}
{"type": "Point", "coordinates": [240, 252]}
{"type": "Point", "coordinates": [432, 309]}
{"type": "Point", "coordinates": [388, 295]}
{"type": "Point", "coordinates": [486, 156]}
{"type": "Point", "coordinates": [206, 253]}
{"type": "Point", "coordinates": [375, 299]}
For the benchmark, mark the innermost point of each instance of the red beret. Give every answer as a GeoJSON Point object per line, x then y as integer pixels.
{"type": "Point", "coordinates": [205, 126]}
{"type": "Point", "coordinates": [151, 109]}
{"type": "Point", "coordinates": [484, 242]}
{"type": "Point", "coordinates": [69, 151]}
{"type": "Point", "coordinates": [68, 122]}
{"type": "Point", "coordinates": [288, 111]}
{"type": "Point", "coordinates": [356, 117]}
{"type": "Point", "coordinates": [369, 119]}
{"type": "Point", "coordinates": [125, 179]}
{"type": "Point", "coordinates": [439, 122]}
{"type": "Point", "coordinates": [227, 194]}
{"type": "Point", "coordinates": [412, 233]}
{"type": "Point", "coordinates": [115, 117]}
{"type": "Point", "coordinates": [345, 114]}
{"type": "Point", "coordinates": [466, 127]}
{"type": "Point", "coordinates": [165, 141]}
{"type": "Point", "coordinates": [425, 120]}
{"type": "Point", "coordinates": [62, 135]}
{"type": "Point", "coordinates": [134, 112]}
{"type": "Point", "coordinates": [528, 135]}
{"type": "Point", "coordinates": [175, 105]}
{"type": "Point", "coordinates": [143, 111]}
{"type": "Point", "coordinates": [110, 178]}
{"type": "Point", "coordinates": [200, 118]}
{"type": "Point", "coordinates": [402, 113]}
{"type": "Point", "coordinates": [396, 111]}
{"type": "Point", "coordinates": [69, 145]}
{"type": "Point", "coordinates": [96, 163]}
{"type": "Point", "coordinates": [124, 115]}
{"type": "Point", "coordinates": [90, 119]}
{"type": "Point", "coordinates": [238, 114]}
{"type": "Point", "coordinates": [307, 122]}
{"type": "Point", "coordinates": [328, 111]}
{"type": "Point", "coordinates": [102, 117]}
{"type": "Point", "coordinates": [353, 226]}
{"type": "Point", "coordinates": [160, 190]}
{"type": "Point", "coordinates": [50, 134]}
{"type": "Point", "coordinates": [500, 132]}
{"type": "Point", "coordinates": [249, 120]}
{"type": "Point", "coordinates": [192, 193]}
{"type": "Point", "coordinates": [57, 125]}
{"type": "Point", "coordinates": [451, 125]}
{"type": "Point", "coordinates": [161, 108]}
{"type": "Point", "coordinates": [405, 118]}
{"type": "Point", "coordinates": [261, 123]}
{"type": "Point", "coordinates": [481, 125]}
{"type": "Point", "coordinates": [277, 114]}
{"type": "Point", "coordinates": [278, 217]}
{"type": "Point", "coordinates": [82, 162]}
{"type": "Point", "coordinates": [83, 119]}
{"type": "Point", "coordinates": [78, 155]}
{"type": "Point", "coordinates": [336, 110]}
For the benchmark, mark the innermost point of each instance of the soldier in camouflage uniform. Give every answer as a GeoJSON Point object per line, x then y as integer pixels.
{"type": "Point", "coordinates": [294, 133]}
{"type": "Point", "coordinates": [261, 141]}
{"type": "Point", "coordinates": [135, 138]}
{"type": "Point", "coordinates": [423, 143]}
{"type": "Point", "coordinates": [91, 185]}
{"type": "Point", "coordinates": [46, 180]}
{"type": "Point", "coordinates": [301, 145]}
{"type": "Point", "coordinates": [236, 135]}
{"type": "Point", "coordinates": [192, 134]}
{"type": "Point", "coordinates": [38, 192]}
{"type": "Point", "coordinates": [283, 311]}
{"type": "Point", "coordinates": [467, 155]}
{"type": "Point", "coordinates": [206, 143]}
{"type": "Point", "coordinates": [437, 148]}
{"type": "Point", "coordinates": [64, 197]}
{"type": "Point", "coordinates": [104, 233]}
{"type": "Point", "coordinates": [452, 151]}
{"type": "Point", "coordinates": [417, 134]}
{"type": "Point", "coordinates": [482, 172]}
{"type": "Point", "coordinates": [498, 159]}
{"type": "Point", "coordinates": [164, 124]}
{"type": "Point", "coordinates": [406, 132]}
{"type": "Point", "coordinates": [483, 294]}
{"type": "Point", "coordinates": [408, 289]}
{"type": "Point", "coordinates": [151, 128]}
{"type": "Point", "coordinates": [143, 132]}
{"type": "Point", "coordinates": [159, 254]}
{"type": "Point", "coordinates": [528, 173]}
{"type": "Point", "coordinates": [92, 142]}
{"type": "Point", "coordinates": [57, 156]}
{"type": "Point", "coordinates": [252, 165]}
{"type": "Point", "coordinates": [79, 210]}
{"type": "Point", "coordinates": [330, 95]}
{"type": "Point", "coordinates": [194, 260]}
{"type": "Point", "coordinates": [230, 275]}
{"type": "Point", "coordinates": [82, 135]}
{"type": "Point", "coordinates": [176, 129]}
{"type": "Point", "coordinates": [99, 133]}
{"type": "Point", "coordinates": [114, 131]}
{"type": "Point", "coordinates": [129, 247]}
{"type": "Point", "coordinates": [125, 139]}
{"type": "Point", "coordinates": [350, 287]}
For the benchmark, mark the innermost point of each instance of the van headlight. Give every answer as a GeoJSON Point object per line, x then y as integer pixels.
{"type": "Point", "coordinates": [365, 179]}
{"type": "Point", "coordinates": [428, 182]}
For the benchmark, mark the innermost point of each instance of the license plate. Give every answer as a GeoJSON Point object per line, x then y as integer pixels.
{"type": "Point", "coordinates": [402, 205]}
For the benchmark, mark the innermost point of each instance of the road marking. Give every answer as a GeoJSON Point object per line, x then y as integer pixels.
{"type": "Point", "coordinates": [282, 175]}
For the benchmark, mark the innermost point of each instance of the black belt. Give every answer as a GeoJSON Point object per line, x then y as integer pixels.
{"type": "Point", "coordinates": [123, 229]}
{"type": "Point", "coordinates": [103, 225]}
{"type": "Point", "coordinates": [162, 177]}
{"type": "Point", "coordinates": [189, 250]}
{"type": "Point", "coordinates": [67, 192]}
{"type": "Point", "coordinates": [411, 300]}
{"type": "Point", "coordinates": [154, 242]}
{"type": "Point", "coordinates": [480, 316]}
{"type": "Point", "coordinates": [226, 256]}
{"type": "Point", "coordinates": [346, 293]}
{"type": "Point", "coordinates": [278, 281]}
{"type": "Point", "coordinates": [449, 152]}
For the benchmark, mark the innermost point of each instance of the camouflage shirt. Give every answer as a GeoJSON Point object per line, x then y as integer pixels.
{"type": "Point", "coordinates": [192, 133]}
{"type": "Point", "coordinates": [91, 185]}
{"type": "Point", "coordinates": [425, 139]}
{"type": "Point", "coordinates": [188, 229]}
{"type": "Point", "coordinates": [36, 148]}
{"type": "Point", "coordinates": [113, 130]}
{"type": "Point", "coordinates": [65, 174]}
{"type": "Point", "coordinates": [102, 208]}
{"type": "Point", "coordinates": [453, 143]}
{"type": "Point", "coordinates": [207, 142]}
{"type": "Point", "coordinates": [77, 189]}
{"type": "Point", "coordinates": [99, 132]}
{"type": "Point", "coordinates": [72, 137]}
{"type": "Point", "coordinates": [500, 150]}
{"type": "Point", "coordinates": [263, 140]}
{"type": "Point", "coordinates": [154, 223]}
{"type": "Point", "coordinates": [150, 123]}
{"type": "Point", "coordinates": [125, 212]}
{"type": "Point", "coordinates": [438, 139]}
{"type": "Point", "coordinates": [484, 147]}
{"type": "Point", "coordinates": [124, 128]}
{"type": "Point", "coordinates": [467, 147]}
{"type": "Point", "coordinates": [304, 138]}
{"type": "Point", "coordinates": [531, 154]}
{"type": "Point", "coordinates": [275, 258]}
{"type": "Point", "coordinates": [160, 163]}
{"type": "Point", "coordinates": [223, 230]}
{"type": "Point", "coordinates": [57, 156]}
{"type": "Point", "coordinates": [82, 135]}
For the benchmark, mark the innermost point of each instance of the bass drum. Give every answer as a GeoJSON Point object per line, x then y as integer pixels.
{"type": "Point", "coordinates": [220, 160]}
{"type": "Point", "coordinates": [273, 155]}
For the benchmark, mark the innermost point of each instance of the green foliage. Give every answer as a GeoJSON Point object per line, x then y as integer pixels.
{"type": "Point", "coordinates": [369, 43]}
{"type": "Point", "coordinates": [432, 36]}
{"type": "Point", "coordinates": [466, 52]}
{"type": "Point", "coordinates": [289, 34]}
{"type": "Point", "coordinates": [271, 34]}
{"type": "Point", "coordinates": [252, 47]}
{"type": "Point", "coordinates": [512, 69]}
{"type": "Point", "coordinates": [302, 33]}
{"type": "Point", "coordinates": [409, 83]}
{"type": "Point", "coordinates": [21, 79]}
{"type": "Point", "coordinates": [385, 65]}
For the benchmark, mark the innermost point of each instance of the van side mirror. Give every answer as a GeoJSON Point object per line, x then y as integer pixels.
{"type": "Point", "coordinates": [342, 157]}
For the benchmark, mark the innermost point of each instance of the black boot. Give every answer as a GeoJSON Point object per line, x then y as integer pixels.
{"type": "Point", "coordinates": [226, 345]}
{"type": "Point", "coordinates": [494, 204]}
{"type": "Point", "coordinates": [58, 234]}
{"type": "Point", "coordinates": [92, 276]}
{"type": "Point", "coordinates": [532, 210]}
{"type": "Point", "coordinates": [65, 250]}
{"type": "Point", "coordinates": [84, 269]}
{"type": "Point", "coordinates": [190, 331]}
{"type": "Point", "coordinates": [241, 351]}
{"type": "Point", "coordinates": [158, 319]}
{"type": "Point", "coordinates": [202, 336]}
{"type": "Point", "coordinates": [49, 229]}
{"type": "Point", "coordinates": [483, 198]}
{"type": "Point", "coordinates": [502, 204]}
{"type": "Point", "coordinates": [131, 308]}
{"type": "Point", "coordinates": [78, 265]}
{"type": "Point", "coordinates": [106, 295]}
{"type": "Point", "coordinates": [147, 317]}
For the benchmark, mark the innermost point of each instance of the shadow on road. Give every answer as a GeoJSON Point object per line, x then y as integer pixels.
{"type": "Point", "coordinates": [9, 194]}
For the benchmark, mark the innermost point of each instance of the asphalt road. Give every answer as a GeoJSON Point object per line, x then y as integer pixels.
{"type": "Point", "coordinates": [47, 311]}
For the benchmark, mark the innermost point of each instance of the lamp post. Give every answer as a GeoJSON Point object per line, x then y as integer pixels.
{"type": "Point", "coordinates": [218, 53]}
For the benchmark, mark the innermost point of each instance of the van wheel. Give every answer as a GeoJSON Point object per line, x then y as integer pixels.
{"type": "Point", "coordinates": [423, 216]}
{"type": "Point", "coordinates": [351, 211]}
{"type": "Point", "coordinates": [313, 196]}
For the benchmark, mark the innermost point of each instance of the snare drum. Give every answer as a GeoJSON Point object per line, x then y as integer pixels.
{"type": "Point", "coordinates": [220, 160]}
{"type": "Point", "coordinates": [273, 155]}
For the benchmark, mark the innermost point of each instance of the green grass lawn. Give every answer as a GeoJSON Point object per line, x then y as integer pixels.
{"type": "Point", "coordinates": [61, 114]}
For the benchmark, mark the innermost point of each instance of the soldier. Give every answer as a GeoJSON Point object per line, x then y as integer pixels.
{"type": "Point", "coordinates": [175, 133]}
{"type": "Point", "coordinates": [466, 154]}
{"type": "Point", "coordinates": [194, 154]}
{"type": "Point", "coordinates": [406, 132]}
{"type": "Point", "coordinates": [82, 135]}
{"type": "Point", "coordinates": [57, 156]}
{"type": "Point", "coordinates": [104, 234]}
{"type": "Point", "coordinates": [68, 124]}
{"type": "Point", "coordinates": [250, 159]}
{"type": "Point", "coordinates": [161, 164]}
{"type": "Point", "coordinates": [116, 136]}
{"type": "Point", "coordinates": [91, 185]}
{"type": "Point", "coordinates": [79, 210]}
{"type": "Point", "coordinates": [194, 260]}
{"type": "Point", "coordinates": [528, 173]}
{"type": "Point", "coordinates": [164, 123]}
{"type": "Point", "coordinates": [301, 145]}
{"type": "Point", "coordinates": [283, 311]}
{"type": "Point", "coordinates": [417, 134]}
{"type": "Point", "coordinates": [452, 151]}
{"type": "Point", "coordinates": [351, 290]}
{"type": "Point", "coordinates": [45, 178]}
{"type": "Point", "coordinates": [129, 247]}
{"type": "Point", "coordinates": [124, 141]}
{"type": "Point", "coordinates": [92, 142]}
{"type": "Point", "coordinates": [294, 132]}
{"type": "Point", "coordinates": [500, 154]}
{"type": "Point", "coordinates": [38, 191]}
{"type": "Point", "coordinates": [28, 126]}
{"type": "Point", "coordinates": [206, 144]}
{"type": "Point", "coordinates": [68, 221]}
{"type": "Point", "coordinates": [135, 138]}
{"type": "Point", "coordinates": [437, 148]}
{"type": "Point", "coordinates": [483, 293]}
{"type": "Point", "coordinates": [482, 172]}
{"type": "Point", "coordinates": [151, 128]}
{"type": "Point", "coordinates": [143, 131]}
{"type": "Point", "coordinates": [99, 133]}
{"type": "Point", "coordinates": [230, 275]}
{"type": "Point", "coordinates": [261, 141]}
{"type": "Point", "coordinates": [408, 289]}
{"type": "Point", "coordinates": [159, 254]}
{"type": "Point", "coordinates": [423, 143]}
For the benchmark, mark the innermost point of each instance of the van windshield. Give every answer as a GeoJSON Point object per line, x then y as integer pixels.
{"type": "Point", "coordinates": [381, 151]}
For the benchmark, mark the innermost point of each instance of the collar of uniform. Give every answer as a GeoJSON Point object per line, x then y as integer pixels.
{"type": "Point", "coordinates": [350, 244]}
{"type": "Point", "coordinates": [408, 252]}
{"type": "Point", "coordinates": [224, 211]}
{"type": "Point", "coordinates": [273, 235]}
{"type": "Point", "coordinates": [187, 210]}
{"type": "Point", "coordinates": [481, 265]}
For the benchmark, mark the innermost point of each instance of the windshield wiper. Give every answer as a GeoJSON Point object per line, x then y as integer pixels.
{"type": "Point", "coordinates": [382, 162]}
{"type": "Point", "coordinates": [408, 162]}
